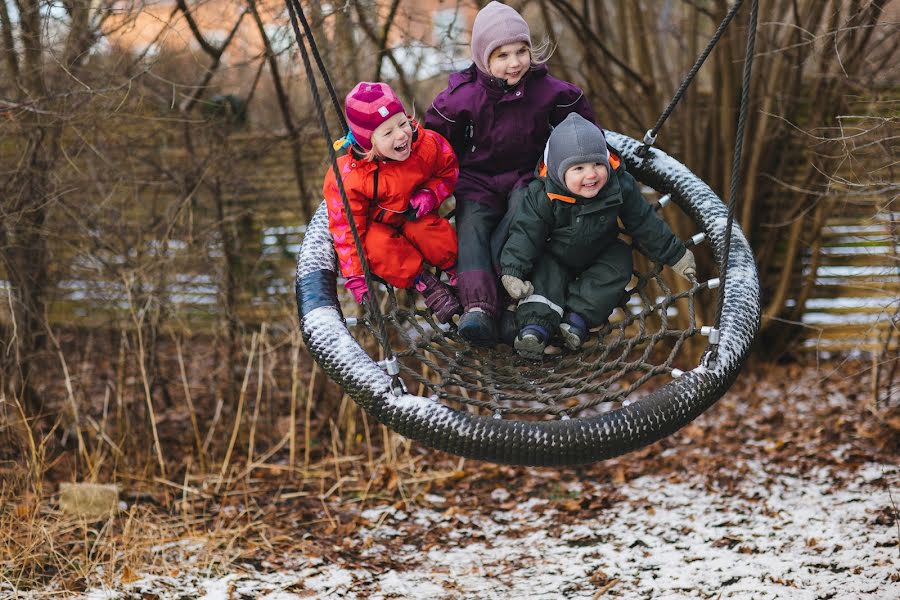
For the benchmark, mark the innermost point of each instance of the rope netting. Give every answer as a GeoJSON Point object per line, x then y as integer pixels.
{"type": "Point", "coordinates": [640, 342]}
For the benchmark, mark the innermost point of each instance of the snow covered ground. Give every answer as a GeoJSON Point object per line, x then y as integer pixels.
{"type": "Point", "coordinates": [759, 535]}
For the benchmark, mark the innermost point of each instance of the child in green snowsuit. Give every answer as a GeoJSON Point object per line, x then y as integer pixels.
{"type": "Point", "coordinates": [563, 259]}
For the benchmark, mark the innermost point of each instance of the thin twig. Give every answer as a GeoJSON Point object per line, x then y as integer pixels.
{"type": "Point", "coordinates": [237, 419]}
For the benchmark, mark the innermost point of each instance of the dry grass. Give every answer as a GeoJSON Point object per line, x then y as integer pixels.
{"type": "Point", "coordinates": [256, 509]}
{"type": "Point", "coordinates": [238, 479]}
{"type": "Point", "coordinates": [282, 465]}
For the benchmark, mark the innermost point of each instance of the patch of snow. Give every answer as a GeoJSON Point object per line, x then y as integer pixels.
{"type": "Point", "coordinates": [775, 535]}
{"type": "Point", "coordinates": [821, 318]}
{"type": "Point", "coordinates": [500, 494]}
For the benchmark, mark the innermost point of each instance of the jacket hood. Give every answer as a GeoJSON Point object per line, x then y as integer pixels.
{"type": "Point", "coordinates": [496, 25]}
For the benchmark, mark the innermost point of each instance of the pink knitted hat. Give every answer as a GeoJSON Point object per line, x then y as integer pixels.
{"type": "Point", "coordinates": [496, 25]}
{"type": "Point", "coordinates": [367, 106]}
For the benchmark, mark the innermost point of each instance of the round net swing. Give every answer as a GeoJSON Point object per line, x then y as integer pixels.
{"type": "Point", "coordinates": [568, 408]}
{"type": "Point", "coordinates": [427, 383]}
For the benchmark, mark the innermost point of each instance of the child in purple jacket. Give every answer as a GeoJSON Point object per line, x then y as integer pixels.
{"type": "Point", "coordinates": [497, 115]}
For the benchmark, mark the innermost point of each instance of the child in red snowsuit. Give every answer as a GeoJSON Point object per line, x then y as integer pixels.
{"type": "Point", "coordinates": [395, 175]}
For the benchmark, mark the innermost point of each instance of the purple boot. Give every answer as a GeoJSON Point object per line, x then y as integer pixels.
{"type": "Point", "coordinates": [531, 341]}
{"type": "Point", "coordinates": [574, 330]}
{"type": "Point", "coordinates": [438, 296]}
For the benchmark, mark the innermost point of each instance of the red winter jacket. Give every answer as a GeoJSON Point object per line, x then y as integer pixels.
{"type": "Point", "coordinates": [431, 165]}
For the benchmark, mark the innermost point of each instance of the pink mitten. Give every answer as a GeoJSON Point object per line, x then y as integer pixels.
{"type": "Point", "coordinates": [356, 284]}
{"type": "Point", "coordinates": [424, 202]}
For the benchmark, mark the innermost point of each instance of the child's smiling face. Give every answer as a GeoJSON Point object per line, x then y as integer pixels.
{"type": "Point", "coordinates": [586, 179]}
{"type": "Point", "coordinates": [393, 138]}
{"type": "Point", "coordinates": [510, 62]}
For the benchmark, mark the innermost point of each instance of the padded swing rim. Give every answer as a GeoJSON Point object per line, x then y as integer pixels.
{"type": "Point", "coordinates": [543, 443]}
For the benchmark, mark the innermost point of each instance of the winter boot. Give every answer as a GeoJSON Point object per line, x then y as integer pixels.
{"type": "Point", "coordinates": [478, 328]}
{"type": "Point", "coordinates": [574, 330]}
{"type": "Point", "coordinates": [438, 296]}
{"type": "Point", "coordinates": [451, 276]}
{"type": "Point", "coordinates": [531, 341]}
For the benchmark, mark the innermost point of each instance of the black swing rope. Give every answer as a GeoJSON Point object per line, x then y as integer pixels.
{"type": "Point", "coordinates": [296, 11]}
{"type": "Point", "coordinates": [736, 162]}
{"type": "Point", "coordinates": [650, 136]}
{"type": "Point", "coordinates": [572, 376]}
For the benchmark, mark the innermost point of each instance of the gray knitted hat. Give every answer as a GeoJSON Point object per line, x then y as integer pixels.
{"type": "Point", "coordinates": [576, 140]}
{"type": "Point", "coordinates": [496, 25]}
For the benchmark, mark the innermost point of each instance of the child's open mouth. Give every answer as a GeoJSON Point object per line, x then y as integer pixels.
{"type": "Point", "coordinates": [402, 147]}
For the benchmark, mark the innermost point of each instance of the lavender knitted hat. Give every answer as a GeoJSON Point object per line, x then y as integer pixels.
{"type": "Point", "coordinates": [496, 25]}
{"type": "Point", "coordinates": [367, 106]}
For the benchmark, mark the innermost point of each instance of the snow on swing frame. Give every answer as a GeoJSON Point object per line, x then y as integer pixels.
{"type": "Point", "coordinates": [570, 441]}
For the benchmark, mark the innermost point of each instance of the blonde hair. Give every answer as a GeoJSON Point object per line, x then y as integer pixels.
{"type": "Point", "coordinates": [542, 53]}
{"type": "Point", "coordinates": [372, 155]}
{"type": "Point", "coordinates": [538, 55]}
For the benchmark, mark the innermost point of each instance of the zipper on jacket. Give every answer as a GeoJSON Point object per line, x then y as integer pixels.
{"type": "Point", "coordinates": [469, 135]}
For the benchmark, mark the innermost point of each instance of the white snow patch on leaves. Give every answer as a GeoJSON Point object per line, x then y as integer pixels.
{"type": "Point", "coordinates": [774, 536]}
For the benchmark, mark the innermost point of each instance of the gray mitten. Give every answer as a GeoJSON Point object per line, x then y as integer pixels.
{"type": "Point", "coordinates": [686, 265]}
{"type": "Point", "coordinates": [517, 288]}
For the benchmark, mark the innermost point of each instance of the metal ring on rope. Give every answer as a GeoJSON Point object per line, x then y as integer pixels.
{"type": "Point", "coordinates": [555, 442]}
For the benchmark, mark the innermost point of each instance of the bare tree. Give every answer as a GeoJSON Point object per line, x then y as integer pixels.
{"type": "Point", "coordinates": [45, 83]}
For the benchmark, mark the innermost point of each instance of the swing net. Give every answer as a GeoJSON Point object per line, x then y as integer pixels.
{"type": "Point", "coordinates": [622, 390]}
{"type": "Point", "coordinates": [640, 343]}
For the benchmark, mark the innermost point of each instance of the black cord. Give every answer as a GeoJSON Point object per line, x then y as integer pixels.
{"type": "Point", "coordinates": [295, 10]}
{"type": "Point", "coordinates": [736, 163]}
{"type": "Point", "coordinates": [650, 137]}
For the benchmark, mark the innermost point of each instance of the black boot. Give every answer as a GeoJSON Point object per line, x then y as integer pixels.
{"type": "Point", "coordinates": [478, 328]}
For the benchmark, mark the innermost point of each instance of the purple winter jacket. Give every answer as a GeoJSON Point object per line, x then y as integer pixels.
{"type": "Point", "coordinates": [499, 135]}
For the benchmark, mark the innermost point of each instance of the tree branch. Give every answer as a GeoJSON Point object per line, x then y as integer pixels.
{"type": "Point", "coordinates": [80, 37]}
{"type": "Point", "coordinates": [375, 39]}
{"type": "Point", "coordinates": [9, 46]}
{"type": "Point", "coordinates": [33, 47]}
{"type": "Point", "coordinates": [566, 8]}
{"type": "Point", "coordinates": [214, 52]}
{"type": "Point", "coordinates": [618, 103]}
{"type": "Point", "coordinates": [284, 106]}
{"type": "Point", "coordinates": [214, 66]}
{"type": "Point", "coordinates": [382, 44]}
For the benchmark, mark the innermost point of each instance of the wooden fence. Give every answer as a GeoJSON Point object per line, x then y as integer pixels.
{"type": "Point", "coordinates": [853, 306]}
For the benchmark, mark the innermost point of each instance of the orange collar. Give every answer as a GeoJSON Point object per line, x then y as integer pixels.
{"type": "Point", "coordinates": [561, 198]}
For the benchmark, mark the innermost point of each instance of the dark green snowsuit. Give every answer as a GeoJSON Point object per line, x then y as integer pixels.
{"type": "Point", "coordinates": [568, 247]}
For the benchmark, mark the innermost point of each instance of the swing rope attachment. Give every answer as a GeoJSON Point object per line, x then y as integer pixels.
{"type": "Point", "coordinates": [651, 135]}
